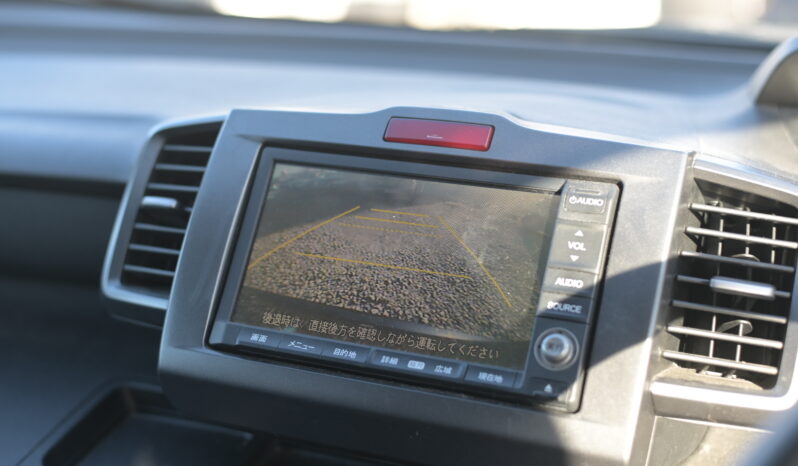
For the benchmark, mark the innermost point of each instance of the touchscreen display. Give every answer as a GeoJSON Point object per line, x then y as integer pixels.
{"type": "Point", "coordinates": [439, 268]}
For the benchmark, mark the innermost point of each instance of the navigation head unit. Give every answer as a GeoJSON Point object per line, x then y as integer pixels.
{"type": "Point", "coordinates": [468, 280]}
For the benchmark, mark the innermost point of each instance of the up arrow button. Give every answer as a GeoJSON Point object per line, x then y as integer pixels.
{"type": "Point", "coordinates": [577, 247]}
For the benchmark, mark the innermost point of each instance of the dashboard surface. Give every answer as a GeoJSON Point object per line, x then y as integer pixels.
{"type": "Point", "coordinates": [84, 89]}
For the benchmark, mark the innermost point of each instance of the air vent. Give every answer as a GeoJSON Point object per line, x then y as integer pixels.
{"type": "Point", "coordinates": [165, 208]}
{"type": "Point", "coordinates": [734, 286]}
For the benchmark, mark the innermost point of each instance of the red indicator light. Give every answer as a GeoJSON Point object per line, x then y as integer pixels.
{"type": "Point", "coordinates": [439, 133]}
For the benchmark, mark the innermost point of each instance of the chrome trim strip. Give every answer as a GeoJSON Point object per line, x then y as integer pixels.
{"type": "Point", "coordinates": [159, 202]}
{"type": "Point", "coordinates": [738, 237]}
{"type": "Point", "coordinates": [742, 366]}
{"type": "Point", "coordinates": [746, 288]}
{"type": "Point", "coordinates": [728, 312]}
{"type": "Point", "coordinates": [730, 337]}
{"type": "Point", "coordinates": [744, 213]}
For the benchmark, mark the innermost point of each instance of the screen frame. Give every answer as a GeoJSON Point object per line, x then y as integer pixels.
{"type": "Point", "coordinates": [270, 155]}
{"type": "Point", "coordinates": [266, 395]}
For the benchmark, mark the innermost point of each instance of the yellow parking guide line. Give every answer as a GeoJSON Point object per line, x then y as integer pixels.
{"type": "Point", "coordinates": [389, 230]}
{"type": "Point", "coordinates": [309, 230]}
{"type": "Point", "coordinates": [387, 266]}
{"type": "Point", "coordinates": [375, 219]}
{"type": "Point", "coordinates": [398, 212]}
{"type": "Point", "coordinates": [474, 255]}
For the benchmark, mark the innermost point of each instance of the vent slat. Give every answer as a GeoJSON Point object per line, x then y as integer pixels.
{"type": "Point", "coordinates": [159, 228]}
{"type": "Point", "coordinates": [153, 249]}
{"type": "Point", "coordinates": [742, 340]}
{"type": "Point", "coordinates": [737, 261]}
{"type": "Point", "coordinates": [729, 312]}
{"type": "Point", "coordinates": [173, 187]}
{"type": "Point", "coordinates": [720, 362]}
{"type": "Point", "coordinates": [744, 213]}
{"type": "Point", "coordinates": [187, 148]}
{"type": "Point", "coordinates": [148, 270]}
{"type": "Point", "coordinates": [744, 238]}
{"type": "Point", "coordinates": [694, 280]}
{"type": "Point", "coordinates": [179, 168]}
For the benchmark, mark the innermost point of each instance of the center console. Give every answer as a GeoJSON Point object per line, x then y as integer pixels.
{"type": "Point", "coordinates": [387, 281]}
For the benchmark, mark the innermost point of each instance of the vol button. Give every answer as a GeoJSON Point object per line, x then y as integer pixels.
{"type": "Point", "coordinates": [577, 246]}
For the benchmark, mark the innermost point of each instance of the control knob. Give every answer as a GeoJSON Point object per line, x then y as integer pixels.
{"type": "Point", "coordinates": [556, 349]}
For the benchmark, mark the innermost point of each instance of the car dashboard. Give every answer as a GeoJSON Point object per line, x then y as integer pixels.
{"type": "Point", "coordinates": [226, 243]}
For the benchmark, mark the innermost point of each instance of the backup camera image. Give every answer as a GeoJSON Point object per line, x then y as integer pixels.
{"type": "Point", "coordinates": [439, 268]}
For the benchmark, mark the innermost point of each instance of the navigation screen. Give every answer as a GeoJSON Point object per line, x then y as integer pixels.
{"type": "Point", "coordinates": [438, 268]}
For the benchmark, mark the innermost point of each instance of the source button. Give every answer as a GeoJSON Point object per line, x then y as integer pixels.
{"type": "Point", "coordinates": [562, 306]}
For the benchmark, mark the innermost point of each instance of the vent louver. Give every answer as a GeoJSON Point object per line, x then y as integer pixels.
{"type": "Point", "coordinates": [733, 290]}
{"type": "Point", "coordinates": [165, 208]}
